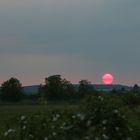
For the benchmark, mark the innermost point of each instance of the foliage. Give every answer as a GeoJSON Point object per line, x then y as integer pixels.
{"type": "Point", "coordinates": [57, 88]}
{"type": "Point", "coordinates": [131, 99]}
{"type": "Point", "coordinates": [136, 89]}
{"type": "Point", "coordinates": [111, 115]}
{"type": "Point", "coordinates": [85, 87]}
{"type": "Point", "coordinates": [99, 117]}
{"type": "Point", "coordinates": [106, 118]}
{"type": "Point", "coordinates": [11, 90]}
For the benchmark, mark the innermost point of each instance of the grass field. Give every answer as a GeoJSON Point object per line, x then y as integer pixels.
{"type": "Point", "coordinates": [8, 111]}
{"type": "Point", "coordinates": [22, 121]}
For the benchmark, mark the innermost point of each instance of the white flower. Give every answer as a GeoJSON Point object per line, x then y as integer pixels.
{"type": "Point", "coordinates": [6, 133]}
{"type": "Point", "coordinates": [130, 129]}
{"type": "Point", "coordinates": [31, 136]}
{"type": "Point", "coordinates": [117, 128]}
{"type": "Point", "coordinates": [22, 118]}
{"type": "Point", "coordinates": [64, 124]}
{"type": "Point", "coordinates": [87, 137]}
{"type": "Point", "coordinates": [9, 131]}
{"type": "Point", "coordinates": [124, 117]}
{"type": "Point", "coordinates": [89, 122]}
{"type": "Point", "coordinates": [57, 115]}
{"type": "Point", "coordinates": [81, 116]}
{"type": "Point", "coordinates": [101, 98]}
{"type": "Point", "coordinates": [105, 136]}
{"type": "Point", "coordinates": [55, 119]}
{"type": "Point", "coordinates": [46, 138]}
{"type": "Point", "coordinates": [73, 116]}
{"type": "Point", "coordinates": [116, 111]}
{"type": "Point", "coordinates": [24, 127]}
{"type": "Point", "coordinates": [104, 122]}
{"type": "Point", "coordinates": [54, 133]}
{"type": "Point", "coordinates": [62, 127]}
{"type": "Point", "coordinates": [96, 138]}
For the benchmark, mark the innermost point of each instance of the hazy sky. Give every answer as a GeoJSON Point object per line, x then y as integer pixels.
{"type": "Point", "coordinates": [79, 39]}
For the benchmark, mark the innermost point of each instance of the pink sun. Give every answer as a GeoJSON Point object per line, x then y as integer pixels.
{"type": "Point", "coordinates": [107, 78]}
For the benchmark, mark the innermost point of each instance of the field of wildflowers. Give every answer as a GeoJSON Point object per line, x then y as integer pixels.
{"type": "Point", "coordinates": [98, 117]}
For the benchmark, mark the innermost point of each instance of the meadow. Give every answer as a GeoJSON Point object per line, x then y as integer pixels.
{"type": "Point", "coordinates": [96, 117]}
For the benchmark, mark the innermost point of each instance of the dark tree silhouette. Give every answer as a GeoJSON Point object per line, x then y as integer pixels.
{"type": "Point", "coordinates": [11, 90]}
{"type": "Point", "coordinates": [58, 88]}
{"type": "Point", "coordinates": [136, 89]}
{"type": "Point", "coordinates": [85, 87]}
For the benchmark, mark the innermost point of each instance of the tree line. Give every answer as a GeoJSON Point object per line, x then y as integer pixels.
{"type": "Point", "coordinates": [55, 88]}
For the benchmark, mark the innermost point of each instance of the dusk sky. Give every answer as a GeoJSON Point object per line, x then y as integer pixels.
{"type": "Point", "coordinates": [79, 39]}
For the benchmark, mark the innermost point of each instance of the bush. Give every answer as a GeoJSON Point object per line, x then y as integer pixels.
{"type": "Point", "coordinates": [104, 118]}
{"type": "Point", "coordinates": [131, 99]}
{"type": "Point", "coordinates": [99, 119]}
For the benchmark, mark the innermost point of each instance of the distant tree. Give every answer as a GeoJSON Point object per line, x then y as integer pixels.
{"type": "Point", "coordinates": [68, 89]}
{"type": "Point", "coordinates": [136, 88]}
{"type": "Point", "coordinates": [53, 86]}
{"type": "Point", "coordinates": [119, 91]}
{"type": "Point", "coordinates": [11, 90]}
{"type": "Point", "coordinates": [85, 87]}
{"type": "Point", "coordinates": [41, 90]}
{"type": "Point", "coordinates": [57, 88]}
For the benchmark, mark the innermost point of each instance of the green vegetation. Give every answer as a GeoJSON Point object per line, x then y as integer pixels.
{"type": "Point", "coordinates": [11, 90]}
{"type": "Point", "coordinates": [57, 88]}
{"type": "Point", "coordinates": [97, 116]}
{"type": "Point", "coordinates": [61, 112]}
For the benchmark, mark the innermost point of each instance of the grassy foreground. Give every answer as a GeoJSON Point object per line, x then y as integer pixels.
{"type": "Point", "coordinates": [98, 117]}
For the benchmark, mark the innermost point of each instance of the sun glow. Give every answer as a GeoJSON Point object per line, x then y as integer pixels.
{"type": "Point", "coordinates": [107, 78]}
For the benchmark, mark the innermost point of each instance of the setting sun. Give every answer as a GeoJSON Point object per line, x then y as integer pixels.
{"type": "Point", "coordinates": [107, 78]}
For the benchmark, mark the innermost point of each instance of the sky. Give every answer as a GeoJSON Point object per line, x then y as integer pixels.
{"type": "Point", "coordinates": [78, 39]}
